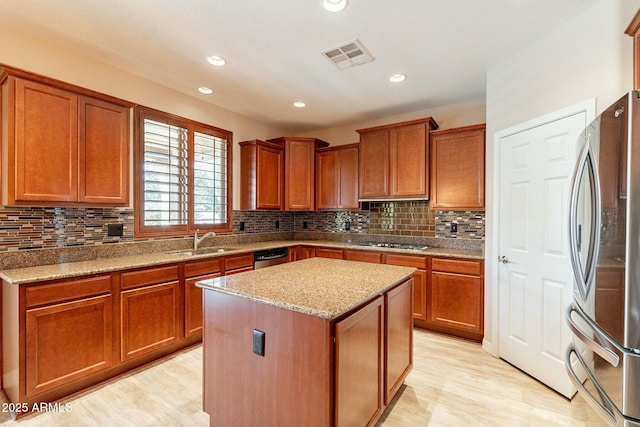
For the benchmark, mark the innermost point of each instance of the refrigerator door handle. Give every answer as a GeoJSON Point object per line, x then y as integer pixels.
{"type": "Point", "coordinates": [603, 409]}
{"type": "Point", "coordinates": [597, 347]}
{"type": "Point", "coordinates": [584, 277]}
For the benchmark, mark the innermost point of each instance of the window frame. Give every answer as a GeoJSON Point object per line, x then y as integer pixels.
{"type": "Point", "coordinates": [140, 229]}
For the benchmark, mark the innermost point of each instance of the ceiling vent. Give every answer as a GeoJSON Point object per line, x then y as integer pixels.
{"type": "Point", "coordinates": [348, 55]}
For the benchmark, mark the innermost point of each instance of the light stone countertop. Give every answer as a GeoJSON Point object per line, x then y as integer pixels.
{"type": "Point", "coordinates": [321, 287]}
{"type": "Point", "coordinates": [64, 270]}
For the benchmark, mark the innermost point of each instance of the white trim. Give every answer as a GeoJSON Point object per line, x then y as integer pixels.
{"type": "Point", "coordinates": [492, 244]}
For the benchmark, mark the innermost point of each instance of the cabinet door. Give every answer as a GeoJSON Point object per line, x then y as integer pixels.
{"type": "Point", "coordinates": [398, 323]}
{"type": "Point", "coordinates": [46, 144]}
{"type": "Point", "coordinates": [457, 169]}
{"type": "Point", "coordinates": [456, 300]}
{"type": "Point", "coordinates": [409, 161]}
{"type": "Point", "coordinates": [374, 164]}
{"type": "Point", "coordinates": [327, 179]}
{"type": "Point", "coordinates": [299, 175]}
{"type": "Point", "coordinates": [269, 178]}
{"type": "Point", "coordinates": [359, 366]}
{"type": "Point", "coordinates": [348, 182]}
{"type": "Point", "coordinates": [193, 304]}
{"type": "Point", "coordinates": [305, 252]}
{"type": "Point", "coordinates": [104, 152]}
{"type": "Point", "coordinates": [68, 341]}
{"type": "Point", "coordinates": [149, 319]}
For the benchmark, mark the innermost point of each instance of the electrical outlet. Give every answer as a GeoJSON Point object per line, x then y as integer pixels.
{"type": "Point", "coordinates": [241, 225]}
{"type": "Point", "coordinates": [454, 227]}
{"type": "Point", "coordinates": [258, 342]}
{"type": "Point", "coordinates": [115, 229]}
{"type": "Point", "coordinates": [347, 225]}
{"type": "Point", "coordinates": [277, 224]}
{"type": "Point", "coordinates": [305, 224]}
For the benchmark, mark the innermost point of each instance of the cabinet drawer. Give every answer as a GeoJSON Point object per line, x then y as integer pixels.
{"type": "Point", "coordinates": [363, 256]}
{"type": "Point", "coordinates": [329, 253]}
{"type": "Point", "coordinates": [67, 290]}
{"type": "Point", "coordinates": [457, 266]}
{"type": "Point", "coordinates": [207, 266]}
{"type": "Point", "coordinates": [238, 261]}
{"type": "Point", "coordinates": [151, 276]}
{"type": "Point", "coordinates": [407, 261]}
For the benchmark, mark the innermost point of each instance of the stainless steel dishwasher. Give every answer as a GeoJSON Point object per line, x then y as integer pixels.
{"type": "Point", "coordinates": [268, 257]}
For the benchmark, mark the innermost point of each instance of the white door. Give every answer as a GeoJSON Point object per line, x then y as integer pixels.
{"type": "Point", "coordinates": [535, 277]}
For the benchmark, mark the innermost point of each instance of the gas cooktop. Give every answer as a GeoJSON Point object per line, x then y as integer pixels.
{"type": "Point", "coordinates": [394, 245]}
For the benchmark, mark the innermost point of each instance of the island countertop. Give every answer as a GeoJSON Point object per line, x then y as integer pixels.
{"type": "Point", "coordinates": [321, 287]}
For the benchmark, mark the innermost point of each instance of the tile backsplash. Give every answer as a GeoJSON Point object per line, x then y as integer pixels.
{"type": "Point", "coordinates": [44, 227]}
{"type": "Point", "coordinates": [50, 227]}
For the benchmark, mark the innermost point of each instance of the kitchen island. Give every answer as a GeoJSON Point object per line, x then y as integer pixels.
{"type": "Point", "coordinates": [318, 342]}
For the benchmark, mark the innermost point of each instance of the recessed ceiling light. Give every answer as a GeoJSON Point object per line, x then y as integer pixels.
{"type": "Point", "coordinates": [299, 104]}
{"type": "Point", "coordinates": [218, 61]}
{"type": "Point", "coordinates": [396, 78]}
{"type": "Point", "coordinates": [335, 5]}
{"type": "Point", "coordinates": [205, 90]}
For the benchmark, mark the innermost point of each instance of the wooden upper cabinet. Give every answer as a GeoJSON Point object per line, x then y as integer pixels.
{"type": "Point", "coordinates": [374, 164]}
{"type": "Point", "coordinates": [299, 171]}
{"type": "Point", "coordinates": [633, 30]}
{"type": "Point", "coordinates": [409, 147]}
{"type": "Point", "coordinates": [64, 145]}
{"type": "Point", "coordinates": [337, 177]}
{"type": "Point", "coordinates": [43, 157]}
{"type": "Point", "coordinates": [394, 160]}
{"type": "Point", "coordinates": [103, 152]}
{"type": "Point", "coordinates": [261, 175]}
{"type": "Point", "coordinates": [457, 168]}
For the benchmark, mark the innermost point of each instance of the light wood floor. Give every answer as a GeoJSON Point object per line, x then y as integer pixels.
{"type": "Point", "coordinates": [453, 383]}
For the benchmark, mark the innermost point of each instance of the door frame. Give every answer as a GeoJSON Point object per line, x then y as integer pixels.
{"type": "Point", "coordinates": [492, 243]}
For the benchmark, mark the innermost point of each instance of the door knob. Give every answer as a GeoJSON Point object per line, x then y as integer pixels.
{"type": "Point", "coordinates": [503, 259]}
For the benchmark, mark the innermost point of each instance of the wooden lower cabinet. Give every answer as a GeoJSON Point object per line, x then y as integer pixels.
{"type": "Point", "coordinates": [238, 263]}
{"type": "Point", "coordinates": [419, 280]}
{"type": "Point", "coordinates": [67, 341]}
{"type": "Point", "coordinates": [363, 256]}
{"type": "Point", "coordinates": [298, 253]}
{"type": "Point", "coordinates": [149, 318]}
{"type": "Point", "coordinates": [610, 300]}
{"type": "Point", "coordinates": [455, 297]}
{"type": "Point", "coordinates": [196, 271]}
{"type": "Point", "coordinates": [332, 253]}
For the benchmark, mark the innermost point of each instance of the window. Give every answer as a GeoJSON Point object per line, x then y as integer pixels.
{"type": "Point", "coordinates": [182, 171]}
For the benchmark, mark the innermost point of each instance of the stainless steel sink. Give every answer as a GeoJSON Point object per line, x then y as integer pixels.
{"type": "Point", "coordinates": [201, 251]}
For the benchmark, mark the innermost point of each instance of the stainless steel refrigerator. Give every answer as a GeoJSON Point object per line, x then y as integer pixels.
{"type": "Point", "coordinates": [604, 236]}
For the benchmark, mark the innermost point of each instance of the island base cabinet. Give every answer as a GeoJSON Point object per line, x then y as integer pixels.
{"type": "Point", "coordinates": [290, 385]}
{"type": "Point", "coordinates": [67, 341]}
{"type": "Point", "coordinates": [313, 371]}
{"type": "Point", "coordinates": [359, 366]}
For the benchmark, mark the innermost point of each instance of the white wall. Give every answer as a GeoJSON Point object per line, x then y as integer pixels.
{"type": "Point", "coordinates": [447, 116]}
{"type": "Point", "coordinates": [23, 52]}
{"type": "Point", "coordinates": [587, 57]}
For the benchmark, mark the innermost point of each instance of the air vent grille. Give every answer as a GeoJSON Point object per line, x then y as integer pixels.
{"type": "Point", "coordinates": [348, 55]}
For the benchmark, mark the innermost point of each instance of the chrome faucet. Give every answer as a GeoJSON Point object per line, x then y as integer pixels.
{"type": "Point", "coordinates": [197, 240]}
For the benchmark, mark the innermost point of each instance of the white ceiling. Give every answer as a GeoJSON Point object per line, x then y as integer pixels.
{"type": "Point", "coordinates": [273, 49]}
